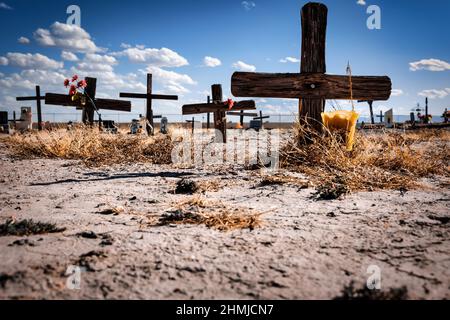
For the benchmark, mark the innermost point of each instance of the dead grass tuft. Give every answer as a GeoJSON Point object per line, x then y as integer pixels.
{"type": "Point", "coordinates": [215, 215]}
{"type": "Point", "coordinates": [388, 160]}
{"type": "Point", "coordinates": [27, 228]}
{"type": "Point", "coordinates": [92, 147]}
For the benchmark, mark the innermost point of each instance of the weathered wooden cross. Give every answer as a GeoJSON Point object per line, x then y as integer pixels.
{"type": "Point", "coordinates": [312, 86]}
{"type": "Point", "coordinates": [241, 115]}
{"type": "Point", "coordinates": [86, 104]}
{"type": "Point", "coordinates": [38, 99]}
{"type": "Point", "coordinates": [261, 117]}
{"type": "Point", "coordinates": [149, 96]}
{"type": "Point", "coordinates": [193, 124]}
{"type": "Point", "coordinates": [381, 116]}
{"type": "Point", "coordinates": [220, 108]}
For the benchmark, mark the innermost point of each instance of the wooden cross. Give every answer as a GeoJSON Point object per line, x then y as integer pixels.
{"type": "Point", "coordinates": [370, 102]}
{"type": "Point", "coordinates": [38, 99]}
{"type": "Point", "coordinates": [88, 108]}
{"type": "Point", "coordinates": [312, 86]}
{"type": "Point", "coordinates": [220, 108]}
{"type": "Point", "coordinates": [241, 115]}
{"type": "Point", "coordinates": [381, 116]}
{"type": "Point", "coordinates": [149, 96]}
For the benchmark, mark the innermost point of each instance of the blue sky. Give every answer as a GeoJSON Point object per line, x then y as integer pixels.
{"type": "Point", "coordinates": [119, 42]}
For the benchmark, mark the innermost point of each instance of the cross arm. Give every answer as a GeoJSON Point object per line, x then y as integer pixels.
{"type": "Point", "coordinates": [30, 98]}
{"type": "Point", "coordinates": [214, 107]}
{"type": "Point", "coordinates": [245, 114]}
{"type": "Point", "coordinates": [105, 104]}
{"type": "Point", "coordinates": [145, 96]}
{"type": "Point", "coordinates": [309, 86]}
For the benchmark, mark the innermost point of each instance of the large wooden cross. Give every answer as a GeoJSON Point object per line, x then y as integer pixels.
{"type": "Point", "coordinates": [149, 96]}
{"type": "Point", "coordinates": [312, 86]}
{"type": "Point", "coordinates": [220, 108]}
{"type": "Point", "coordinates": [38, 99]}
{"type": "Point", "coordinates": [88, 108]}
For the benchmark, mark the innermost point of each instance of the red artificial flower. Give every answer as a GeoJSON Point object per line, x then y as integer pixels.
{"type": "Point", "coordinates": [66, 83]}
{"type": "Point", "coordinates": [74, 78]}
{"type": "Point", "coordinates": [73, 90]}
{"type": "Point", "coordinates": [230, 104]}
{"type": "Point", "coordinates": [82, 84]}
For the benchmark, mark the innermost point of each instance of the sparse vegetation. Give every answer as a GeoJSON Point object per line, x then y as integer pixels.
{"type": "Point", "coordinates": [389, 160]}
{"type": "Point", "coordinates": [92, 147]}
{"type": "Point", "coordinates": [27, 228]}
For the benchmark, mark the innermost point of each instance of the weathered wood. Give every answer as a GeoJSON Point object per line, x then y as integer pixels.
{"type": "Point", "coordinates": [220, 117]}
{"type": "Point", "coordinates": [105, 104]}
{"type": "Point", "coordinates": [208, 115]}
{"type": "Point", "coordinates": [150, 96]}
{"type": "Point", "coordinates": [217, 107]}
{"type": "Point", "coordinates": [370, 102]}
{"type": "Point", "coordinates": [244, 114]}
{"type": "Point", "coordinates": [309, 86]}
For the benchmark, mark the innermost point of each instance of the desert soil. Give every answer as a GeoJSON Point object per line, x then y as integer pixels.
{"type": "Point", "coordinates": [306, 249]}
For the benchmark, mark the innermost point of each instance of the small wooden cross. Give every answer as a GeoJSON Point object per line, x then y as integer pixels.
{"type": "Point", "coordinates": [193, 124]}
{"type": "Point", "coordinates": [38, 99]}
{"type": "Point", "coordinates": [312, 86]}
{"type": "Point", "coordinates": [220, 108]}
{"type": "Point", "coordinates": [149, 96]}
{"type": "Point", "coordinates": [241, 115]}
{"type": "Point", "coordinates": [88, 108]}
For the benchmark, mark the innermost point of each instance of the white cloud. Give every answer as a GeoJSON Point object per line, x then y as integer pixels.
{"type": "Point", "coordinates": [290, 59]}
{"type": "Point", "coordinates": [361, 2]}
{"type": "Point", "coordinates": [397, 92]}
{"type": "Point", "coordinates": [172, 81]}
{"type": "Point", "coordinates": [435, 93]}
{"type": "Point", "coordinates": [5, 6]}
{"type": "Point", "coordinates": [248, 5]}
{"type": "Point", "coordinates": [242, 66]}
{"type": "Point", "coordinates": [23, 40]}
{"type": "Point", "coordinates": [70, 37]}
{"type": "Point", "coordinates": [211, 62]}
{"type": "Point", "coordinates": [93, 62]}
{"type": "Point", "coordinates": [430, 65]}
{"type": "Point", "coordinates": [68, 56]}
{"type": "Point", "coordinates": [163, 57]}
{"type": "Point", "coordinates": [125, 45]}
{"type": "Point", "coordinates": [30, 61]}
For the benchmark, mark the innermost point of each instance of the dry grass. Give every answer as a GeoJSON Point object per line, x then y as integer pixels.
{"type": "Point", "coordinates": [92, 147]}
{"type": "Point", "coordinates": [215, 215]}
{"type": "Point", "coordinates": [389, 160]}
{"type": "Point", "coordinates": [281, 179]}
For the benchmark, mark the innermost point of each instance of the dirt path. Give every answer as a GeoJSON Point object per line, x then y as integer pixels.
{"type": "Point", "coordinates": [306, 249]}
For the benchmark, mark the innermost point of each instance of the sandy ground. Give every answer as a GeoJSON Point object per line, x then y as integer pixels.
{"type": "Point", "coordinates": [306, 249]}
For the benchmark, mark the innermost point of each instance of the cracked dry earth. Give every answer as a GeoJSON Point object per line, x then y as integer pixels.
{"type": "Point", "coordinates": [306, 249]}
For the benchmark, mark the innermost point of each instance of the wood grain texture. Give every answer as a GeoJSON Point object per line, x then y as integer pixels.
{"type": "Point", "coordinates": [215, 107]}
{"type": "Point", "coordinates": [105, 104]}
{"type": "Point", "coordinates": [309, 86]}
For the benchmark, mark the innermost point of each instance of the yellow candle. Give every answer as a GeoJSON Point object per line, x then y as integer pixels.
{"type": "Point", "coordinates": [342, 121]}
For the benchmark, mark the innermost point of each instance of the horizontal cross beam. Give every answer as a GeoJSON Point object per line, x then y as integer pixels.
{"type": "Point", "coordinates": [30, 98]}
{"type": "Point", "coordinates": [243, 114]}
{"type": "Point", "coordinates": [105, 104]}
{"type": "Point", "coordinates": [309, 86]}
{"type": "Point", "coordinates": [215, 107]}
{"type": "Point", "coordinates": [148, 96]}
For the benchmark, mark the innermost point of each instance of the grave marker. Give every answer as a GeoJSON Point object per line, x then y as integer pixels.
{"type": "Point", "coordinates": [220, 108]}
{"type": "Point", "coordinates": [149, 96]}
{"type": "Point", "coordinates": [312, 86]}
{"type": "Point", "coordinates": [38, 99]}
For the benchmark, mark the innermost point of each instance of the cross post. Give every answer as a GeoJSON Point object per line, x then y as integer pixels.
{"type": "Point", "coordinates": [242, 115]}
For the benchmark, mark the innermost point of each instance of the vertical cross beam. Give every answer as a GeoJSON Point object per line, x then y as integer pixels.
{"type": "Point", "coordinates": [149, 112]}
{"type": "Point", "coordinates": [314, 27]}
{"type": "Point", "coordinates": [89, 108]}
{"type": "Point", "coordinates": [219, 116]}
{"type": "Point", "coordinates": [208, 115]}
{"type": "Point", "coordinates": [39, 109]}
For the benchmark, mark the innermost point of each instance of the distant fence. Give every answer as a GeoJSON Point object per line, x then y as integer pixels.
{"type": "Point", "coordinates": [177, 118]}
